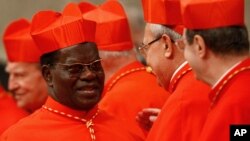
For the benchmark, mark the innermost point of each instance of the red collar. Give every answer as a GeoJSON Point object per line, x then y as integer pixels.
{"type": "Point", "coordinates": [215, 93]}
{"type": "Point", "coordinates": [173, 83]}
{"type": "Point", "coordinates": [51, 103]}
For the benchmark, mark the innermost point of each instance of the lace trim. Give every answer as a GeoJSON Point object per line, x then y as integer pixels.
{"type": "Point", "coordinates": [89, 123]}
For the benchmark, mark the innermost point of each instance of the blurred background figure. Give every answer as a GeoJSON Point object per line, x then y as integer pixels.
{"type": "Point", "coordinates": [9, 112]}
{"type": "Point", "coordinates": [128, 86]}
{"type": "Point", "coordinates": [25, 79]}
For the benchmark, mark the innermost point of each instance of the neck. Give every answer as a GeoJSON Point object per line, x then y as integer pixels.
{"type": "Point", "coordinates": [172, 67]}
{"type": "Point", "coordinates": [221, 66]}
{"type": "Point", "coordinates": [178, 60]}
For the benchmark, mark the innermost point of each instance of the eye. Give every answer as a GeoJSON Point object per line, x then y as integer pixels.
{"type": "Point", "coordinates": [141, 46]}
{"type": "Point", "coordinates": [96, 66]}
{"type": "Point", "coordinates": [19, 75]}
{"type": "Point", "coordinates": [76, 68]}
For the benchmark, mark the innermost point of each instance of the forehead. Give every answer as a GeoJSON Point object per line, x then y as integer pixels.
{"type": "Point", "coordinates": [148, 29]}
{"type": "Point", "coordinates": [148, 34]}
{"type": "Point", "coordinates": [20, 67]}
{"type": "Point", "coordinates": [85, 52]}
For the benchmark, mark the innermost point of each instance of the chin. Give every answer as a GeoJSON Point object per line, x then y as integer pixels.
{"type": "Point", "coordinates": [21, 105]}
{"type": "Point", "coordinates": [87, 104]}
{"type": "Point", "coordinates": [87, 107]}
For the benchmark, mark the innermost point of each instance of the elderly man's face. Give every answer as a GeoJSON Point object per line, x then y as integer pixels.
{"type": "Point", "coordinates": [77, 78]}
{"type": "Point", "coordinates": [154, 56]}
{"type": "Point", "coordinates": [27, 85]}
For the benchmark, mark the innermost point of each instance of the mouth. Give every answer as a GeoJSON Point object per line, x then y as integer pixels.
{"type": "Point", "coordinates": [88, 92]}
{"type": "Point", "coordinates": [18, 95]}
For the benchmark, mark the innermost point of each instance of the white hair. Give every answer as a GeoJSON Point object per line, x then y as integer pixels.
{"type": "Point", "coordinates": [158, 30]}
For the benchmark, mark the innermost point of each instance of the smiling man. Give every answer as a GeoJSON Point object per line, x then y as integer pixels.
{"type": "Point", "coordinates": [26, 83]}
{"type": "Point", "coordinates": [74, 75]}
{"type": "Point", "coordinates": [72, 69]}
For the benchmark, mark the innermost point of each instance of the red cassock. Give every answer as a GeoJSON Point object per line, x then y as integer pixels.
{"type": "Point", "coordinates": [229, 104]}
{"type": "Point", "coordinates": [183, 115]}
{"type": "Point", "coordinates": [130, 90]}
{"type": "Point", "coordinates": [9, 112]}
{"type": "Point", "coordinates": [56, 122]}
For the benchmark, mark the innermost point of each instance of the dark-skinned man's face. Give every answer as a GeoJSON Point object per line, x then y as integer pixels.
{"type": "Point", "coordinates": [77, 78]}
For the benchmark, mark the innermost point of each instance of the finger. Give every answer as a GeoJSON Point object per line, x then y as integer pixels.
{"type": "Point", "coordinates": [154, 111]}
{"type": "Point", "coordinates": [152, 118]}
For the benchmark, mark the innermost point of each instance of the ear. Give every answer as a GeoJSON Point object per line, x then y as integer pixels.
{"type": "Point", "coordinates": [200, 46]}
{"type": "Point", "coordinates": [46, 72]}
{"type": "Point", "coordinates": [168, 51]}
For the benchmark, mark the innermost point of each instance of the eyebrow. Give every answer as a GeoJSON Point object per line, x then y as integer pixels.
{"type": "Point", "coordinates": [77, 61]}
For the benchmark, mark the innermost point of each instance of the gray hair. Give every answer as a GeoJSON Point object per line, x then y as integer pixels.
{"type": "Point", "coordinates": [114, 54]}
{"type": "Point", "coordinates": [158, 30]}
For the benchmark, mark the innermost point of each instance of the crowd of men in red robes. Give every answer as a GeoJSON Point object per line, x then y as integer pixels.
{"type": "Point", "coordinates": [74, 75]}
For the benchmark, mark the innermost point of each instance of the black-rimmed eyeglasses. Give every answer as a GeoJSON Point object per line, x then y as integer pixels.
{"type": "Point", "coordinates": [75, 70]}
{"type": "Point", "coordinates": [143, 47]}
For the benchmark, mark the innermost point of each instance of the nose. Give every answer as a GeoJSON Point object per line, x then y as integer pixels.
{"type": "Point", "coordinates": [87, 74]}
{"type": "Point", "coordinates": [12, 84]}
